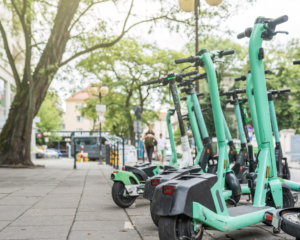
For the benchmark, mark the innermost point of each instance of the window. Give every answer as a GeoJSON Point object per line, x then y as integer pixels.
{"type": "Point", "coordinates": [86, 141]}
{"type": "Point", "coordinates": [80, 119]}
{"type": "Point", "coordinates": [79, 105]}
{"type": "Point", "coordinates": [63, 126]}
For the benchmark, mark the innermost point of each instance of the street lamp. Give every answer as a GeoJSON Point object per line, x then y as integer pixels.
{"type": "Point", "coordinates": [192, 5]}
{"type": "Point", "coordinates": [101, 92]}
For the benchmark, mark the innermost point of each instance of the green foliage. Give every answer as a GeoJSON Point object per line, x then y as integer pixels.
{"type": "Point", "coordinates": [51, 117]}
{"type": "Point", "coordinates": [123, 68]}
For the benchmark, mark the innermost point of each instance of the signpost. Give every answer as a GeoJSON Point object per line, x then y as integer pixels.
{"type": "Point", "coordinates": [100, 109]}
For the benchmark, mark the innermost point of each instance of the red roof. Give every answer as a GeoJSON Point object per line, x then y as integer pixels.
{"type": "Point", "coordinates": [163, 116]}
{"type": "Point", "coordinates": [81, 95]}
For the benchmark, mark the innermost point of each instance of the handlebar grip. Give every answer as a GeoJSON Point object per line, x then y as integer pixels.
{"type": "Point", "coordinates": [284, 91]}
{"type": "Point", "coordinates": [183, 99]}
{"type": "Point", "coordinates": [200, 94]}
{"type": "Point", "coordinates": [240, 90]}
{"type": "Point", "coordinates": [184, 60]}
{"type": "Point", "coordinates": [241, 78]}
{"type": "Point", "coordinates": [241, 35]}
{"type": "Point", "coordinates": [278, 21]}
{"type": "Point", "coordinates": [224, 53]}
{"type": "Point", "coordinates": [296, 62]}
{"type": "Point", "coordinates": [188, 74]}
{"type": "Point", "coordinates": [267, 71]}
{"type": "Point", "coordinates": [228, 100]}
{"type": "Point", "coordinates": [199, 76]}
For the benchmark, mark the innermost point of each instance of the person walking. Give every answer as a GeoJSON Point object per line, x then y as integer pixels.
{"type": "Point", "coordinates": [161, 147]}
{"type": "Point", "coordinates": [149, 143]}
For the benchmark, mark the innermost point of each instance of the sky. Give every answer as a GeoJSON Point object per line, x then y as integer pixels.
{"type": "Point", "coordinates": [243, 19]}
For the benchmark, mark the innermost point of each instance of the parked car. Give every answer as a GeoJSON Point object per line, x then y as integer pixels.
{"type": "Point", "coordinates": [51, 154]}
{"type": "Point", "coordinates": [39, 153]}
{"type": "Point", "coordinates": [92, 145]}
{"type": "Point", "coordinates": [59, 152]}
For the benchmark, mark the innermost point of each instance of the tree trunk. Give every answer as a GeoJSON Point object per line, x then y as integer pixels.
{"type": "Point", "coordinates": [15, 137]}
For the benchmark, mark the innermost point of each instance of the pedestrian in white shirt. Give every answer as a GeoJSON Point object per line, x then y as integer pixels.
{"type": "Point", "coordinates": [161, 146]}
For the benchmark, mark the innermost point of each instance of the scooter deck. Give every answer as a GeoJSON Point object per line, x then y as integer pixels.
{"type": "Point", "coordinates": [243, 210]}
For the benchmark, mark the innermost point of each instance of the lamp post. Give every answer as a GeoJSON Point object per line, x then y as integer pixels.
{"type": "Point", "coordinates": [190, 6]}
{"type": "Point", "coordinates": [102, 91]}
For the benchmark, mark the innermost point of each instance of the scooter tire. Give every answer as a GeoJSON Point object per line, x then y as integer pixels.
{"type": "Point", "coordinates": [177, 228]}
{"type": "Point", "coordinates": [117, 195]}
{"type": "Point", "coordinates": [288, 202]}
{"type": "Point", "coordinates": [235, 198]}
{"type": "Point", "coordinates": [155, 218]}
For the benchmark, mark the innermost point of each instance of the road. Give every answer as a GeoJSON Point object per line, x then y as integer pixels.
{"type": "Point", "coordinates": [58, 202]}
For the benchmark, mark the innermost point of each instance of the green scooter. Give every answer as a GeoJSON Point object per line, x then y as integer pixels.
{"type": "Point", "coordinates": [189, 212]}
{"type": "Point", "coordinates": [130, 182]}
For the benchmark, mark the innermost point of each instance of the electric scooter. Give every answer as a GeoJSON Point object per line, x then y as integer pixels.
{"type": "Point", "coordinates": [190, 212]}
{"type": "Point", "coordinates": [281, 162]}
{"type": "Point", "coordinates": [240, 167]}
{"type": "Point", "coordinates": [130, 182]}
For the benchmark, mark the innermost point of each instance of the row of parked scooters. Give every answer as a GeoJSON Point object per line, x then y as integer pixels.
{"type": "Point", "coordinates": [185, 199]}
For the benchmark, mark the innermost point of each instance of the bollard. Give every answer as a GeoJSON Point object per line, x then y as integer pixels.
{"type": "Point", "coordinates": [74, 154]}
{"type": "Point", "coordinates": [118, 154]}
{"type": "Point", "coordinates": [107, 153]}
{"type": "Point", "coordinates": [82, 157]}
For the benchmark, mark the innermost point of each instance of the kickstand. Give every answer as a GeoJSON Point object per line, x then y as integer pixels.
{"type": "Point", "coordinates": [249, 198]}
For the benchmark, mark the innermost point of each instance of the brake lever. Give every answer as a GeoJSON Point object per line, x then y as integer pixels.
{"type": "Point", "coordinates": [193, 65]}
{"type": "Point", "coordinates": [284, 32]}
{"type": "Point", "coordinates": [219, 61]}
{"type": "Point", "coordinates": [268, 78]}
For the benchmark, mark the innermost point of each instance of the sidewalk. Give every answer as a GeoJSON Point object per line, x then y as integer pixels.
{"type": "Point", "coordinates": [57, 202]}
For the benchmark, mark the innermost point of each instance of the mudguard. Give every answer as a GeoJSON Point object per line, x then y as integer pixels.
{"type": "Point", "coordinates": [141, 175]}
{"type": "Point", "coordinates": [166, 176]}
{"type": "Point", "coordinates": [168, 167]}
{"type": "Point", "coordinates": [127, 178]}
{"type": "Point", "coordinates": [278, 157]}
{"type": "Point", "coordinates": [187, 189]}
{"type": "Point", "coordinates": [240, 162]}
{"type": "Point", "coordinates": [142, 164]}
{"type": "Point", "coordinates": [233, 184]}
{"type": "Point", "coordinates": [206, 155]}
{"type": "Point", "coordinates": [232, 152]}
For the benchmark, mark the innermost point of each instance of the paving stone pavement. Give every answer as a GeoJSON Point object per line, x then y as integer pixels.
{"type": "Point", "coordinates": [57, 202]}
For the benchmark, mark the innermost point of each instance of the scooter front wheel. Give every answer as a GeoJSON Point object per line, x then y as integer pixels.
{"type": "Point", "coordinates": [178, 228]}
{"type": "Point", "coordinates": [117, 193]}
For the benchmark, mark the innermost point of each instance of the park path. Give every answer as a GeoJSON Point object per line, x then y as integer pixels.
{"type": "Point", "coordinates": [57, 202]}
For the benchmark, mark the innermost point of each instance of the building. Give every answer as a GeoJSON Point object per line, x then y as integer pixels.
{"type": "Point", "coordinates": [73, 121]}
{"type": "Point", "coordinates": [7, 81]}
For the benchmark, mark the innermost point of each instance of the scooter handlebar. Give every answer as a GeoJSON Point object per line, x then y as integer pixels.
{"type": "Point", "coordinates": [267, 71]}
{"type": "Point", "coordinates": [187, 74]}
{"type": "Point", "coordinates": [296, 62]}
{"type": "Point", "coordinates": [152, 82]}
{"type": "Point", "coordinates": [183, 99]}
{"type": "Point", "coordinates": [189, 59]}
{"type": "Point", "coordinates": [278, 21]}
{"type": "Point", "coordinates": [225, 53]}
{"type": "Point", "coordinates": [246, 33]}
{"type": "Point", "coordinates": [241, 78]}
{"type": "Point", "coordinates": [281, 91]}
{"type": "Point", "coordinates": [240, 90]}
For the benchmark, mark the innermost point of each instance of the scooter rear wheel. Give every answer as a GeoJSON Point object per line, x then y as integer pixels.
{"type": "Point", "coordinates": [178, 227]}
{"type": "Point", "coordinates": [117, 193]}
{"type": "Point", "coordinates": [287, 201]}
{"type": "Point", "coordinates": [155, 218]}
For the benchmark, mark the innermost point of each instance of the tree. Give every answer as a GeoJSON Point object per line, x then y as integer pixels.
{"type": "Point", "coordinates": [89, 110]}
{"type": "Point", "coordinates": [123, 68]}
{"type": "Point", "coordinates": [51, 117]}
{"type": "Point", "coordinates": [51, 28]}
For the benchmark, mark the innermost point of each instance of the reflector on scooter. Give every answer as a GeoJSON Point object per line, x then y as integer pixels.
{"type": "Point", "coordinates": [168, 190]}
{"type": "Point", "coordinates": [155, 182]}
{"type": "Point", "coordinates": [268, 217]}
{"type": "Point", "coordinates": [116, 171]}
{"type": "Point", "coordinates": [241, 169]}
